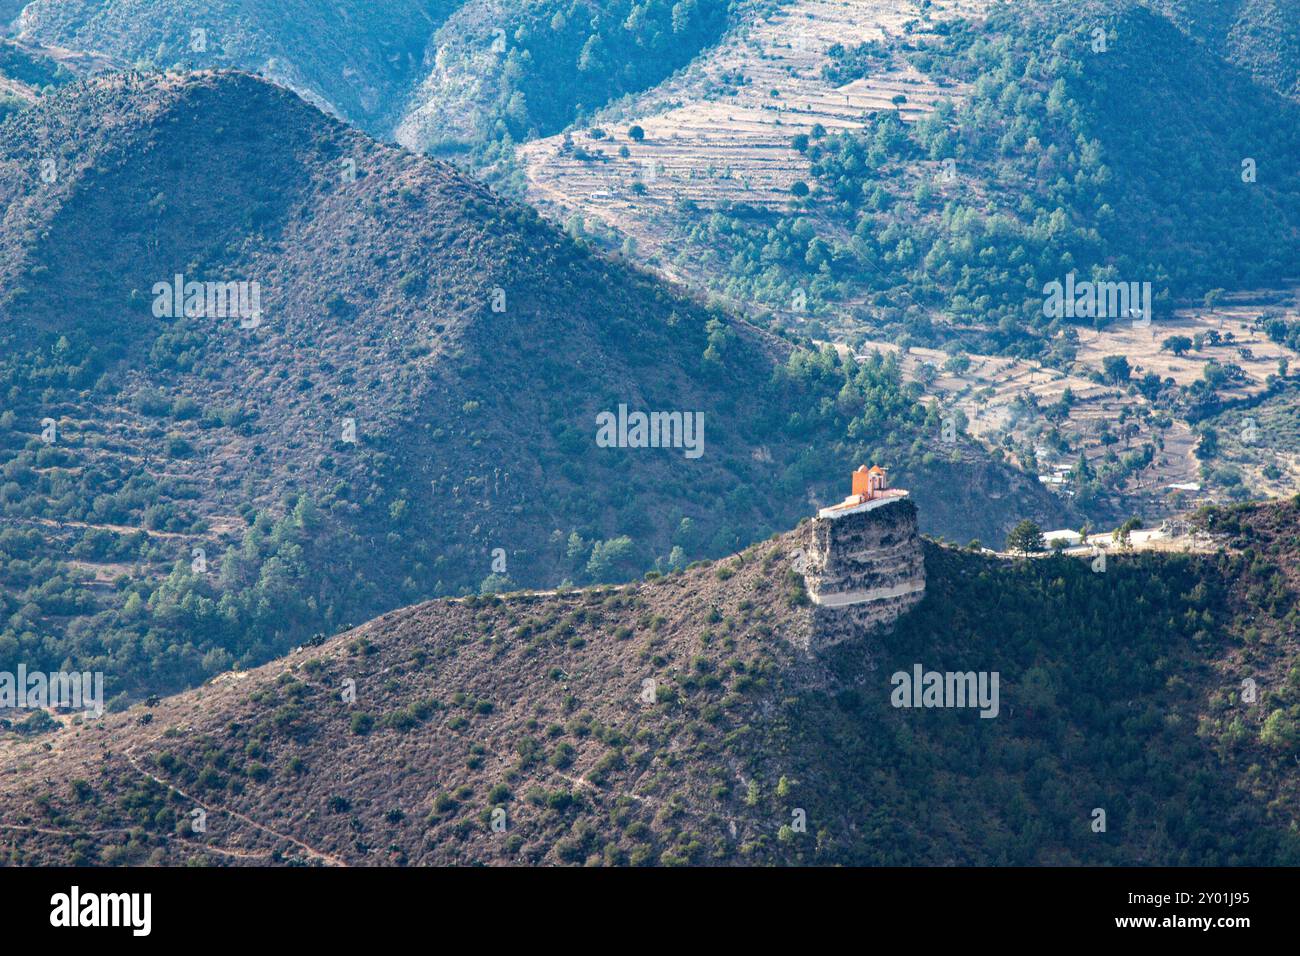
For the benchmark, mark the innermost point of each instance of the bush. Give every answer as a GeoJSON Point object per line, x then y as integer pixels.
{"type": "Point", "coordinates": [362, 724]}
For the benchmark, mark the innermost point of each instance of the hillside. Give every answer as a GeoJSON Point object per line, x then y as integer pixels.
{"type": "Point", "coordinates": [464, 78]}
{"type": "Point", "coordinates": [1008, 154]}
{"type": "Point", "coordinates": [412, 413]}
{"type": "Point", "coordinates": [1262, 36]}
{"type": "Point", "coordinates": [27, 71]}
{"type": "Point", "coordinates": [500, 73]}
{"type": "Point", "coordinates": [922, 182]}
{"type": "Point", "coordinates": [730, 95]}
{"type": "Point", "coordinates": [682, 721]}
{"type": "Point", "coordinates": [730, 133]}
{"type": "Point", "coordinates": [354, 59]}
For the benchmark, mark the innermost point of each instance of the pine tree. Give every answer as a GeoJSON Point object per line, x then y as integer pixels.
{"type": "Point", "coordinates": [1025, 537]}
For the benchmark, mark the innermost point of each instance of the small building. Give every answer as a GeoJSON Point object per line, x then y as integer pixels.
{"type": "Point", "coordinates": [870, 487]}
{"type": "Point", "coordinates": [1067, 537]}
{"type": "Point", "coordinates": [868, 482]}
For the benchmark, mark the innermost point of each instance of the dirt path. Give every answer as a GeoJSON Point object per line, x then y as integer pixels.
{"type": "Point", "coordinates": [118, 528]}
{"type": "Point", "coordinates": [312, 852]}
{"type": "Point", "coordinates": [78, 834]}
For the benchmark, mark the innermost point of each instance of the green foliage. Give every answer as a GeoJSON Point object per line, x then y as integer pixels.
{"type": "Point", "coordinates": [1025, 537]}
{"type": "Point", "coordinates": [1092, 714]}
{"type": "Point", "coordinates": [854, 63]}
{"type": "Point", "coordinates": [1072, 177]}
{"type": "Point", "coordinates": [31, 69]}
{"type": "Point", "coordinates": [563, 59]}
{"type": "Point", "coordinates": [1116, 369]}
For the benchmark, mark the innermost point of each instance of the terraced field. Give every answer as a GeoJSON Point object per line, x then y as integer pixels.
{"type": "Point", "coordinates": [1005, 401]}
{"type": "Point", "coordinates": [1240, 341]}
{"type": "Point", "coordinates": [1004, 398]}
{"type": "Point", "coordinates": [721, 132]}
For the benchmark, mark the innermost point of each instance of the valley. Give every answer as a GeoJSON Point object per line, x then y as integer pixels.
{"type": "Point", "coordinates": [393, 418]}
{"type": "Point", "coordinates": [1047, 418]}
{"type": "Point", "coordinates": [433, 420]}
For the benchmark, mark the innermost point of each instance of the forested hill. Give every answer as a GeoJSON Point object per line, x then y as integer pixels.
{"type": "Point", "coordinates": [1262, 36]}
{"type": "Point", "coordinates": [413, 413]}
{"type": "Point", "coordinates": [676, 722]}
{"type": "Point", "coordinates": [1045, 161]}
{"type": "Point", "coordinates": [457, 77]}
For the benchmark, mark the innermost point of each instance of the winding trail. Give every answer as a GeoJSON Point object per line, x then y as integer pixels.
{"type": "Point", "coordinates": [320, 855]}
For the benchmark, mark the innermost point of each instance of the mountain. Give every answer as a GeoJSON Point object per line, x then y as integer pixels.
{"type": "Point", "coordinates": [703, 190]}
{"type": "Point", "coordinates": [869, 174]}
{"type": "Point", "coordinates": [1262, 36]}
{"type": "Point", "coordinates": [271, 366]}
{"type": "Point", "coordinates": [354, 59]}
{"type": "Point", "coordinates": [931, 178]}
{"type": "Point", "coordinates": [728, 89]}
{"type": "Point", "coordinates": [459, 77]}
{"type": "Point", "coordinates": [720, 716]}
{"type": "Point", "coordinates": [858, 175]}
{"type": "Point", "coordinates": [391, 389]}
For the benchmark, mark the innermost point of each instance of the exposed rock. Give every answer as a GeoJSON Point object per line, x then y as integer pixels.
{"type": "Point", "coordinates": [863, 569]}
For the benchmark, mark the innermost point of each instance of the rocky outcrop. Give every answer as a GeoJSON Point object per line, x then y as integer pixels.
{"type": "Point", "coordinates": [863, 569]}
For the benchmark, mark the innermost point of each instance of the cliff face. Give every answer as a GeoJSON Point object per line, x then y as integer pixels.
{"type": "Point", "coordinates": [970, 498]}
{"type": "Point", "coordinates": [862, 570]}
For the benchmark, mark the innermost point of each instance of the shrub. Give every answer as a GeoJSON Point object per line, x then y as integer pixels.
{"type": "Point", "coordinates": [362, 723]}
